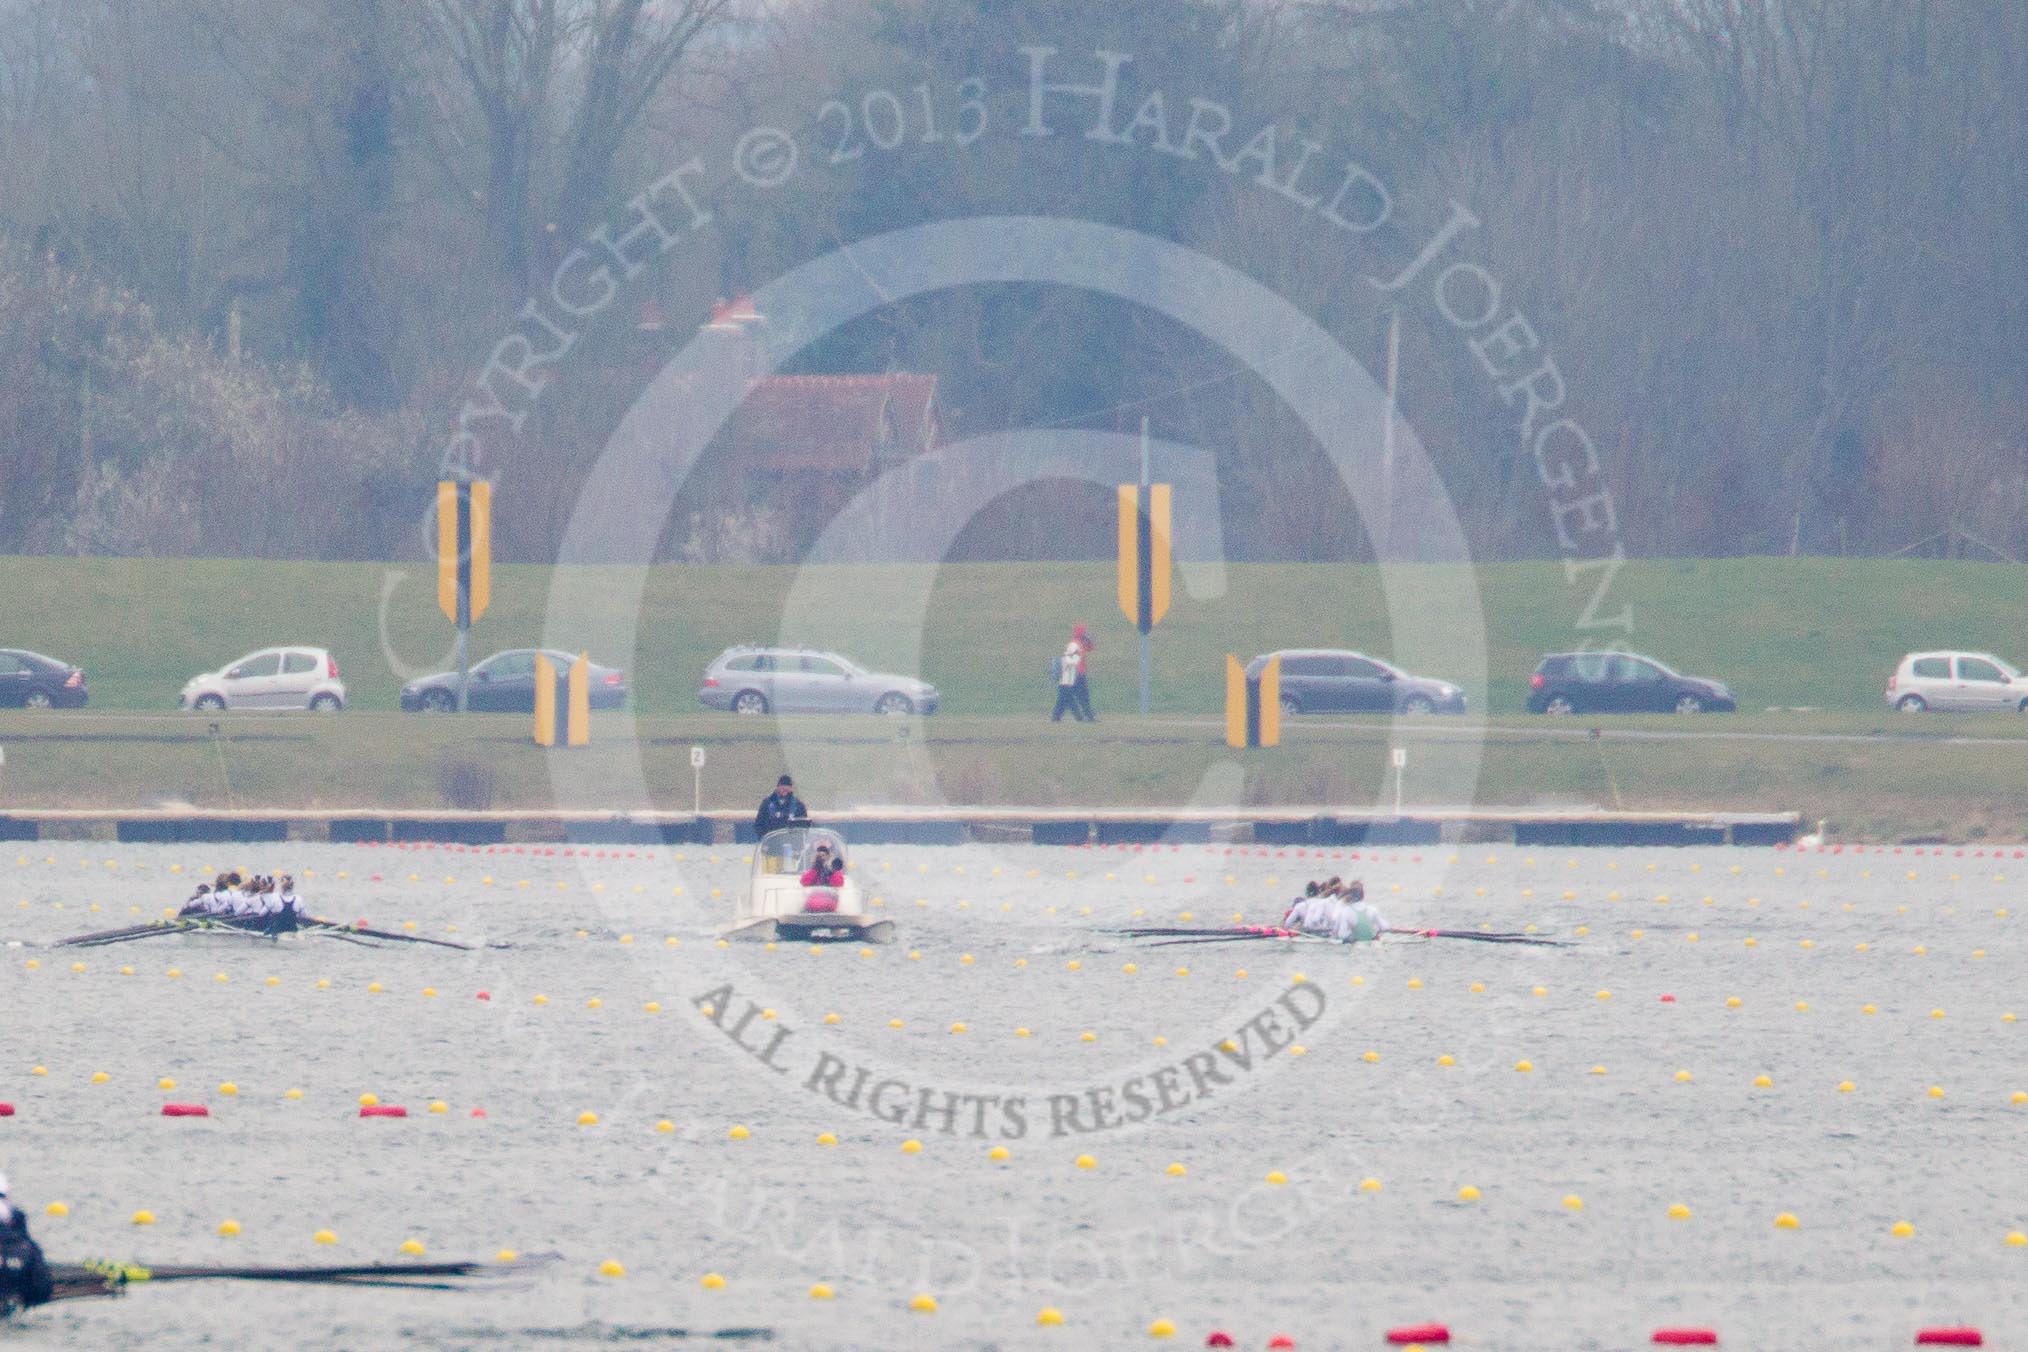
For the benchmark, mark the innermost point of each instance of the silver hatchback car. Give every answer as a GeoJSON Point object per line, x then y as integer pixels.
{"type": "Point", "coordinates": [803, 681]}
{"type": "Point", "coordinates": [1956, 680]}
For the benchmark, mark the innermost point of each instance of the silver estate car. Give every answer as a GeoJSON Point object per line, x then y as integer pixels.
{"type": "Point", "coordinates": [803, 681]}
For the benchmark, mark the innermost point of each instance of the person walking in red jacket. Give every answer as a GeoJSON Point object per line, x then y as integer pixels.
{"type": "Point", "coordinates": [1081, 691]}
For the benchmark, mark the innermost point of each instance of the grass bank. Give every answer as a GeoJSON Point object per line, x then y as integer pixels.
{"type": "Point", "coordinates": [1874, 777]}
{"type": "Point", "coordinates": [1815, 632]}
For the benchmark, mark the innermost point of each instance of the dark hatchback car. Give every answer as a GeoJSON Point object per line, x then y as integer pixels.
{"type": "Point", "coordinates": [1620, 683]}
{"type": "Point", "coordinates": [1332, 681]}
{"type": "Point", "coordinates": [505, 684]}
{"type": "Point", "coordinates": [31, 681]}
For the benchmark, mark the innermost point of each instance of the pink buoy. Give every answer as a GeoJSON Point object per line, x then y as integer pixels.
{"type": "Point", "coordinates": [1950, 1337]}
{"type": "Point", "coordinates": [383, 1110]}
{"type": "Point", "coordinates": [1419, 1333]}
{"type": "Point", "coordinates": [185, 1110]}
{"type": "Point", "coordinates": [1686, 1337]}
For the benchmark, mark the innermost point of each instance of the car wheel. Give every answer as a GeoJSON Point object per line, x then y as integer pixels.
{"type": "Point", "coordinates": [324, 704]}
{"type": "Point", "coordinates": [750, 702]}
{"type": "Point", "coordinates": [1689, 704]}
{"type": "Point", "coordinates": [1559, 704]}
{"type": "Point", "coordinates": [1417, 705]}
{"type": "Point", "coordinates": [1910, 704]}
{"type": "Point", "coordinates": [437, 700]}
{"type": "Point", "coordinates": [1291, 705]}
{"type": "Point", "coordinates": [37, 699]}
{"type": "Point", "coordinates": [209, 703]}
{"type": "Point", "coordinates": [895, 704]}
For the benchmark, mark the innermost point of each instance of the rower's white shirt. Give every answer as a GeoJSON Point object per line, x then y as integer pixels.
{"type": "Point", "coordinates": [288, 901]}
{"type": "Point", "coordinates": [1317, 914]}
{"type": "Point", "coordinates": [246, 903]}
{"type": "Point", "coordinates": [222, 901]}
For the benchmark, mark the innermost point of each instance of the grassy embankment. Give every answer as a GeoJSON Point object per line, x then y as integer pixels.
{"type": "Point", "coordinates": [1783, 633]}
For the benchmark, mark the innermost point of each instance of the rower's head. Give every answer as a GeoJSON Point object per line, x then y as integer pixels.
{"type": "Point", "coordinates": [1312, 888]}
{"type": "Point", "coordinates": [204, 889]}
{"type": "Point", "coordinates": [1357, 891]}
{"type": "Point", "coordinates": [784, 787]}
{"type": "Point", "coordinates": [233, 879]}
{"type": "Point", "coordinates": [288, 882]}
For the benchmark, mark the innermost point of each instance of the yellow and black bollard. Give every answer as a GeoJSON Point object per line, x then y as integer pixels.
{"type": "Point", "coordinates": [1253, 704]}
{"type": "Point", "coordinates": [576, 701]}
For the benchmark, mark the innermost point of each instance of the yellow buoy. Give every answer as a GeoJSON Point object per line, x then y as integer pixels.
{"type": "Point", "coordinates": [324, 1237]}
{"type": "Point", "coordinates": [924, 1303]}
{"type": "Point", "coordinates": [144, 1218]}
{"type": "Point", "coordinates": [738, 1133]}
{"type": "Point", "coordinates": [1468, 1193]}
{"type": "Point", "coordinates": [821, 1292]}
{"type": "Point", "coordinates": [1049, 1317]}
{"type": "Point", "coordinates": [609, 1268]}
{"type": "Point", "coordinates": [1086, 1162]}
{"type": "Point", "coordinates": [711, 1281]}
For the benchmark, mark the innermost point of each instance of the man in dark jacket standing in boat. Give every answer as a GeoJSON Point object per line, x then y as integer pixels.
{"type": "Point", "coordinates": [780, 808]}
{"type": "Point", "coordinates": [24, 1276]}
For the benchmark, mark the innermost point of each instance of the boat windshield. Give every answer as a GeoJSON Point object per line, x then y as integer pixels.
{"type": "Point", "coordinates": [794, 850]}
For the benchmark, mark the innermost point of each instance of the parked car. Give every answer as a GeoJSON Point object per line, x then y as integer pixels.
{"type": "Point", "coordinates": [751, 680]}
{"type": "Point", "coordinates": [505, 683]}
{"type": "Point", "coordinates": [1954, 680]}
{"type": "Point", "coordinates": [1620, 683]}
{"type": "Point", "coordinates": [273, 678]}
{"type": "Point", "coordinates": [31, 681]}
{"type": "Point", "coordinates": [1330, 680]}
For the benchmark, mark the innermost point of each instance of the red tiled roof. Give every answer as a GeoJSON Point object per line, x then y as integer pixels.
{"type": "Point", "coordinates": [834, 423]}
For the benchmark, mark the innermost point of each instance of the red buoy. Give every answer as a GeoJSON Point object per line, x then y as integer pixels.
{"type": "Point", "coordinates": [1419, 1333]}
{"type": "Point", "coordinates": [383, 1110]}
{"type": "Point", "coordinates": [1281, 1341]}
{"type": "Point", "coordinates": [1687, 1337]}
{"type": "Point", "coordinates": [1218, 1338]}
{"type": "Point", "coordinates": [478, 1112]}
{"type": "Point", "coordinates": [185, 1110]}
{"type": "Point", "coordinates": [1949, 1337]}
{"type": "Point", "coordinates": [6, 1110]}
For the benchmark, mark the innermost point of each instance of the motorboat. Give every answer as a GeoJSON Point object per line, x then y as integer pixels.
{"type": "Point", "coordinates": [779, 905]}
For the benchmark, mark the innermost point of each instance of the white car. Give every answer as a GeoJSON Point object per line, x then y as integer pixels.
{"type": "Point", "coordinates": [273, 678]}
{"type": "Point", "coordinates": [1954, 680]}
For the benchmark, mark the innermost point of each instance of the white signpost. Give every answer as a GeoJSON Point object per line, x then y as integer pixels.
{"type": "Point", "coordinates": [697, 778]}
{"type": "Point", "coordinates": [1400, 768]}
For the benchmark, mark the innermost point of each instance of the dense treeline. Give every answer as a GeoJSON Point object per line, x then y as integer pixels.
{"type": "Point", "coordinates": [254, 257]}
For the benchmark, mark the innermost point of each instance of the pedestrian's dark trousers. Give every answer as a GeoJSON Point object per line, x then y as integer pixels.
{"type": "Point", "coordinates": [1066, 702]}
{"type": "Point", "coordinates": [1082, 692]}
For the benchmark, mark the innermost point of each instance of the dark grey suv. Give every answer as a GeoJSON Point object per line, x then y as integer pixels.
{"type": "Point", "coordinates": [1332, 680]}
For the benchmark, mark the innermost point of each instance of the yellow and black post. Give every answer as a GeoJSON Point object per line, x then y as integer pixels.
{"type": "Point", "coordinates": [1253, 704]}
{"type": "Point", "coordinates": [1145, 564]}
{"type": "Point", "coordinates": [577, 722]}
{"type": "Point", "coordinates": [545, 700]}
{"type": "Point", "coordinates": [464, 561]}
